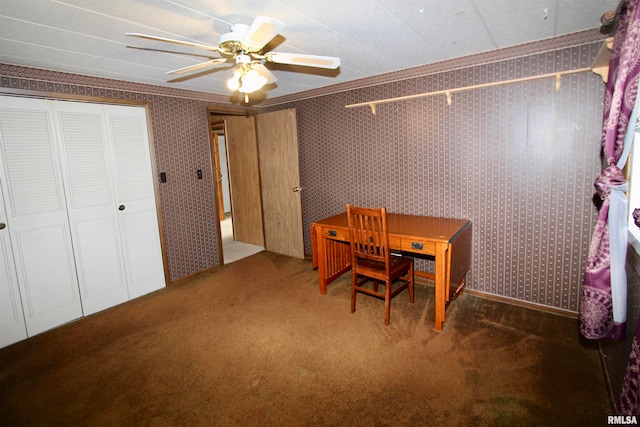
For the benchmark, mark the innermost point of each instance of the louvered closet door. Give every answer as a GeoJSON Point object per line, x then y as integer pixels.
{"type": "Point", "coordinates": [12, 326]}
{"type": "Point", "coordinates": [137, 214]}
{"type": "Point", "coordinates": [93, 212]}
{"type": "Point", "coordinates": [36, 214]}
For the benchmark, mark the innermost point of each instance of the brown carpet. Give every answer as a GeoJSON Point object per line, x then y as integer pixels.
{"type": "Point", "coordinates": [255, 344]}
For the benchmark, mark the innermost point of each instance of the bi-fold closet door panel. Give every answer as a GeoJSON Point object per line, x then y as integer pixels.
{"type": "Point", "coordinates": [92, 204]}
{"type": "Point", "coordinates": [137, 214]}
{"type": "Point", "coordinates": [12, 326]}
{"type": "Point", "coordinates": [37, 219]}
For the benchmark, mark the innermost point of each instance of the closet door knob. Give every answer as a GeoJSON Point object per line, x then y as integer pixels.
{"type": "Point", "coordinates": [2, 225]}
{"type": "Point", "coordinates": [121, 207]}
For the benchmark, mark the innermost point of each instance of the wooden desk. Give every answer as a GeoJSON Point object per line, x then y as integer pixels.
{"type": "Point", "coordinates": [447, 239]}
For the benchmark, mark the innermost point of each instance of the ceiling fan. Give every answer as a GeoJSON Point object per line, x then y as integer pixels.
{"type": "Point", "coordinates": [244, 46]}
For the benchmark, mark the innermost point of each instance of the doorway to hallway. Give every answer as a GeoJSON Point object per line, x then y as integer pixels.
{"type": "Point", "coordinates": [234, 250]}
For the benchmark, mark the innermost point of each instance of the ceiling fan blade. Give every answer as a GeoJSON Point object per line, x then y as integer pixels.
{"type": "Point", "coordinates": [185, 77]}
{"type": "Point", "coordinates": [264, 72]}
{"type": "Point", "coordinates": [180, 42]}
{"type": "Point", "coordinates": [329, 62]}
{"type": "Point", "coordinates": [173, 52]}
{"type": "Point", "coordinates": [196, 67]}
{"type": "Point", "coordinates": [262, 31]}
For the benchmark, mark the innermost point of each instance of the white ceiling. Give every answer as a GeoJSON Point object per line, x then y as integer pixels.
{"type": "Point", "coordinates": [371, 37]}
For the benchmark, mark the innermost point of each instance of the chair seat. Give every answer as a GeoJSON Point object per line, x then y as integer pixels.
{"type": "Point", "coordinates": [399, 265]}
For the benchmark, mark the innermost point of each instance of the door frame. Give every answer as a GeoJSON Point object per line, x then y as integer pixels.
{"type": "Point", "coordinates": [215, 120]}
{"type": "Point", "coordinates": [217, 114]}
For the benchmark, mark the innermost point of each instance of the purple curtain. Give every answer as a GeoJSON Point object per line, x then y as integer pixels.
{"type": "Point", "coordinates": [603, 299]}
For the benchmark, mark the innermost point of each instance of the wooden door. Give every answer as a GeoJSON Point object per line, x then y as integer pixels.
{"type": "Point", "coordinates": [214, 148]}
{"type": "Point", "coordinates": [280, 182]}
{"type": "Point", "coordinates": [244, 179]}
{"type": "Point", "coordinates": [37, 215]}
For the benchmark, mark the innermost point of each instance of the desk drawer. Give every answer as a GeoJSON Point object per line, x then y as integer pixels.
{"type": "Point", "coordinates": [418, 246]}
{"type": "Point", "coordinates": [335, 234]}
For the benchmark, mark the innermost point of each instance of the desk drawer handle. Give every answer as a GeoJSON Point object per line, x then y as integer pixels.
{"type": "Point", "coordinates": [333, 233]}
{"type": "Point", "coordinates": [416, 245]}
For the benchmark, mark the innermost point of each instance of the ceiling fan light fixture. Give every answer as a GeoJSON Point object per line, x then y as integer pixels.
{"type": "Point", "coordinates": [234, 82]}
{"type": "Point", "coordinates": [252, 81]}
{"type": "Point", "coordinates": [246, 80]}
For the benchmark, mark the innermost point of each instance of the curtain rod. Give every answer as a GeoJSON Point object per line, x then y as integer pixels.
{"type": "Point", "coordinates": [448, 92]}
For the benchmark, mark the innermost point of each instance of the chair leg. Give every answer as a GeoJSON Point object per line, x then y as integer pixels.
{"type": "Point", "coordinates": [354, 282]}
{"type": "Point", "coordinates": [387, 302]}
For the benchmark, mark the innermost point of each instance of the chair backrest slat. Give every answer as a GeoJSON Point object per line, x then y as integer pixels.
{"type": "Point", "coordinates": [368, 231]}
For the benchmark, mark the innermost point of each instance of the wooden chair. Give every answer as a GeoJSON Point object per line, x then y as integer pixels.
{"type": "Point", "coordinates": [371, 258]}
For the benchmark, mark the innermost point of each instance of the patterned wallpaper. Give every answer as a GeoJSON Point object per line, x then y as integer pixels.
{"type": "Point", "coordinates": [188, 203]}
{"type": "Point", "coordinates": [518, 160]}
